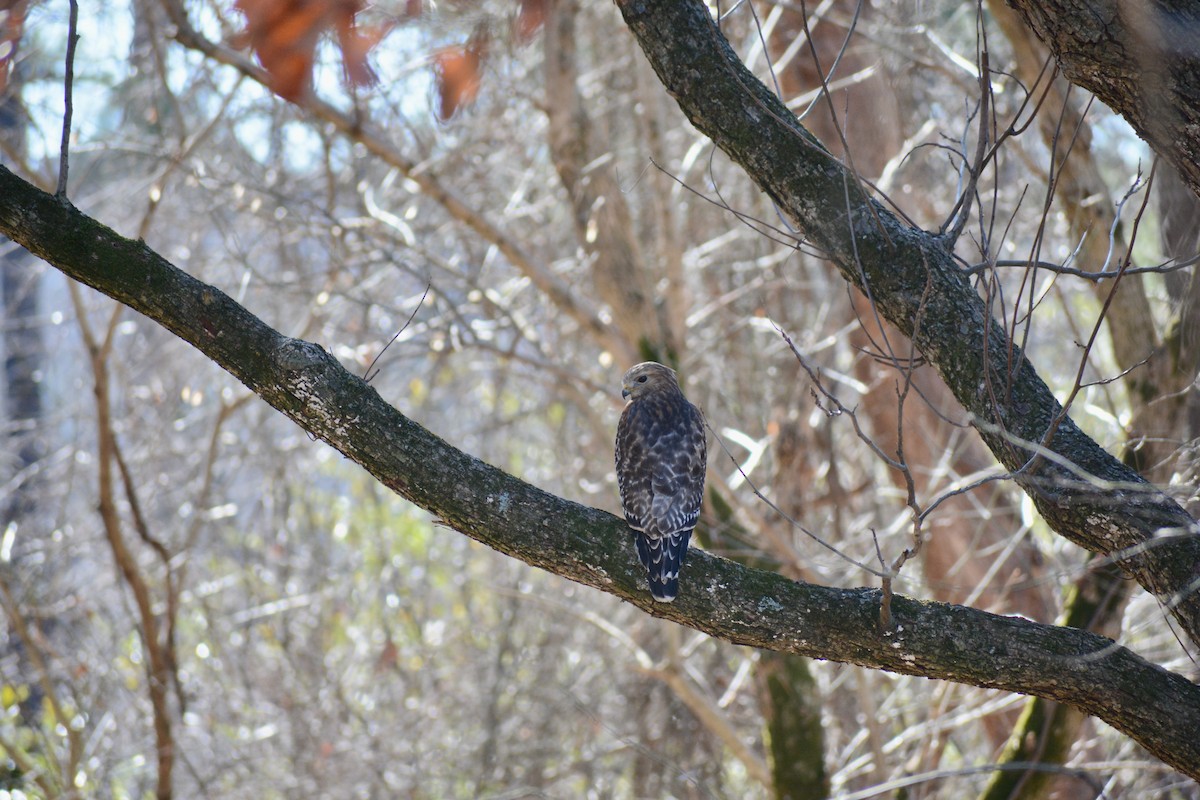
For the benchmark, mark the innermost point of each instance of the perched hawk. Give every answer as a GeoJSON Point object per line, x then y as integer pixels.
{"type": "Point", "coordinates": [660, 469]}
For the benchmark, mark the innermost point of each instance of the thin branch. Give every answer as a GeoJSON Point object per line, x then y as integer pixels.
{"type": "Point", "coordinates": [717, 723]}
{"type": "Point", "coordinates": [953, 227]}
{"type": "Point", "coordinates": [68, 105]}
{"type": "Point", "coordinates": [1075, 272]}
{"type": "Point", "coordinates": [159, 661]}
{"type": "Point", "coordinates": [1084, 358]}
{"type": "Point", "coordinates": [368, 375]}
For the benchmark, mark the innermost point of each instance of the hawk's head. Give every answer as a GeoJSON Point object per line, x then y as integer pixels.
{"type": "Point", "coordinates": [647, 378]}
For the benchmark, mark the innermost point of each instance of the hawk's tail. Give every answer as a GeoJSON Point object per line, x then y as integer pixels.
{"type": "Point", "coordinates": [663, 558]}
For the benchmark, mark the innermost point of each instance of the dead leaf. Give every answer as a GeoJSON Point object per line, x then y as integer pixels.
{"type": "Point", "coordinates": [530, 19]}
{"type": "Point", "coordinates": [459, 74]}
{"type": "Point", "coordinates": [355, 44]}
{"type": "Point", "coordinates": [284, 35]}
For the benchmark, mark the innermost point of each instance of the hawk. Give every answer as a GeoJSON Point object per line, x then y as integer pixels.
{"type": "Point", "coordinates": [660, 457]}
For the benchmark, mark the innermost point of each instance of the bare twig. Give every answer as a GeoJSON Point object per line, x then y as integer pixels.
{"type": "Point", "coordinates": [774, 507]}
{"type": "Point", "coordinates": [160, 660]}
{"type": "Point", "coordinates": [954, 226]}
{"type": "Point", "coordinates": [1165, 267]}
{"type": "Point", "coordinates": [368, 375]}
{"type": "Point", "coordinates": [1085, 358]}
{"type": "Point", "coordinates": [918, 517]}
{"type": "Point", "coordinates": [68, 85]}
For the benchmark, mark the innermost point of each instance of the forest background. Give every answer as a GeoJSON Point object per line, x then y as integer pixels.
{"type": "Point", "coordinates": [201, 599]}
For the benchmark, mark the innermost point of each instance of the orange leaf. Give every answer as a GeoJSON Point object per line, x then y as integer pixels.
{"type": "Point", "coordinates": [355, 43]}
{"type": "Point", "coordinates": [530, 19]}
{"type": "Point", "coordinates": [284, 35]}
{"type": "Point", "coordinates": [459, 74]}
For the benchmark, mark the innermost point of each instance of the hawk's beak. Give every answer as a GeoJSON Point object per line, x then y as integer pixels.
{"type": "Point", "coordinates": [624, 394]}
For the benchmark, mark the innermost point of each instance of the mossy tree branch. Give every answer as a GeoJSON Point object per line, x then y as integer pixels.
{"type": "Point", "coordinates": [1157, 708]}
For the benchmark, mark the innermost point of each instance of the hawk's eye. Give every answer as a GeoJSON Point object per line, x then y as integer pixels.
{"type": "Point", "coordinates": [642, 379]}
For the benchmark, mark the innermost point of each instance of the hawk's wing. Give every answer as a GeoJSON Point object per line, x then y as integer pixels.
{"type": "Point", "coordinates": [660, 460]}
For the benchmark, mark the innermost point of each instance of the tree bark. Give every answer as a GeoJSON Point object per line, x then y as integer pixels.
{"type": "Point", "coordinates": [795, 738]}
{"type": "Point", "coordinates": [1157, 708]}
{"type": "Point", "coordinates": [1139, 58]}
